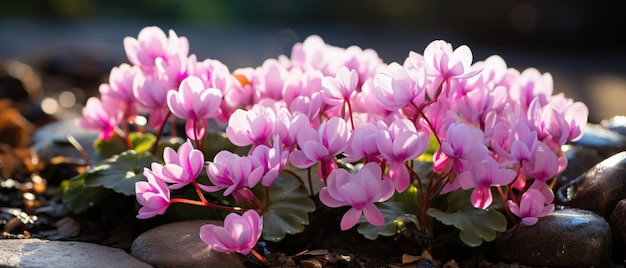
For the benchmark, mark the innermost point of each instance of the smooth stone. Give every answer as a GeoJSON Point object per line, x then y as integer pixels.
{"type": "Point", "coordinates": [598, 189]}
{"type": "Point", "coordinates": [580, 158]}
{"type": "Point", "coordinates": [178, 244]}
{"type": "Point", "coordinates": [44, 253]}
{"type": "Point", "coordinates": [565, 238]}
{"type": "Point", "coordinates": [598, 136]}
{"type": "Point", "coordinates": [618, 225]}
{"type": "Point", "coordinates": [616, 123]}
{"type": "Point", "coordinates": [51, 140]}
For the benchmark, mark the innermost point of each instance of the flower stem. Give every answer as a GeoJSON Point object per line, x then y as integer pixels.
{"type": "Point", "coordinates": [78, 148]}
{"type": "Point", "coordinates": [350, 113]}
{"type": "Point", "coordinates": [260, 258]}
{"type": "Point", "coordinates": [160, 133]}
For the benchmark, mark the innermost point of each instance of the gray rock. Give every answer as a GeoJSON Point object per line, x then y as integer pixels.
{"type": "Point", "coordinates": [618, 225]}
{"type": "Point", "coordinates": [178, 245]}
{"type": "Point", "coordinates": [565, 238]}
{"type": "Point", "coordinates": [44, 253]}
{"type": "Point", "coordinates": [598, 189]}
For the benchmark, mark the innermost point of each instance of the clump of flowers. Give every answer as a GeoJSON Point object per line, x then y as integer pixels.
{"type": "Point", "coordinates": [378, 141]}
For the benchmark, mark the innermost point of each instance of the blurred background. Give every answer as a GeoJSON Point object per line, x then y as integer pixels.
{"type": "Point", "coordinates": [71, 45]}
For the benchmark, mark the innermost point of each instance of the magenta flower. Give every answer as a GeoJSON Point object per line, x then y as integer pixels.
{"type": "Point", "coordinates": [287, 125]}
{"type": "Point", "coordinates": [515, 144]}
{"type": "Point", "coordinates": [363, 143]}
{"type": "Point", "coordinates": [181, 167]}
{"type": "Point", "coordinates": [360, 191]}
{"type": "Point", "coordinates": [400, 142]}
{"type": "Point", "coordinates": [532, 206]}
{"type": "Point", "coordinates": [395, 86]}
{"type": "Point", "coordinates": [271, 79]}
{"type": "Point", "coordinates": [531, 84]}
{"type": "Point", "coordinates": [544, 164]}
{"type": "Point", "coordinates": [484, 175]}
{"type": "Point", "coordinates": [152, 44]}
{"type": "Point", "coordinates": [251, 127]}
{"type": "Point", "coordinates": [120, 84]}
{"type": "Point", "coordinates": [331, 139]}
{"type": "Point", "coordinates": [272, 159]}
{"type": "Point", "coordinates": [443, 62]}
{"type": "Point", "coordinates": [195, 103]}
{"type": "Point", "coordinates": [239, 234]}
{"type": "Point", "coordinates": [481, 178]}
{"type": "Point", "coordinates": [151, 94]}
{"type": "Point", "coordinates": [153, 195]}
{"type": "Point", "coordinates": [462, 147]}
{"type": "Point", "coordinates": [339, 89]}
{"type": "Point", "coordinates": [233, 173]}
{"type": "Point", "coordinates": [102, 115]}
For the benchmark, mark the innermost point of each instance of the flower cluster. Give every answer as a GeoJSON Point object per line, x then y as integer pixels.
{"type": "Point", "coordinates": [343, 114]}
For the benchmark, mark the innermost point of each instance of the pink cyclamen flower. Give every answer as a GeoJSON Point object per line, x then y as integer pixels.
{"type": "Point", "coordinates": [272, 159]}
{"type": "Point", "coordinates": [520, 141]}
{"type": "Point", "coordinates": [322, 144]}
{"type": "Point", "coordinates": [462, 147]}
{"type": "Point", "coordinates": [152, 45]}
{"type": "Point", "coordinates": [532, 206]}
{"type": "Point", "coordinates": [181, 167]}
{"type": "Point", "coordinates": [287, 125]}
{"type": "Point", "coordinates": [360, 191]}
{"type": "Point", "coordinates": [153, 195]}
{"type": "Point", "coordinates": [251, 127]}
{"type": "Point", "coordinates": [233, 173]}
{"type": "Point", "coordinates": [363, 143]}
{"type": "Point", "coordinates": [444, 62]}
{"type": "Point", "coordinates": [239, 234]}
{"type": "Point", "coordinates": [339, 89]}
{"type": "Point", "coordinates": [398, 143]}
{"type": "Point", "coordinates": [102, 115]}
{"type": "Point", "coordinates": [481, 178]}
{"type": "Point", "coordinates": [195, 103]}
{"type": "Point", "coordinates": [150, 92]}
{"type": "Point", "coordinates": [395, 86]}
{"type": "Point", "coordinates": [120, 84]}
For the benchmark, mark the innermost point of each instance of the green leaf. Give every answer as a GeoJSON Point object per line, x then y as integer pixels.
{"type": "Point", "coordinates": [288, 211]}
{"type": "Point", "coordinates": [409, 200]}
{"type": "Point", "coordinates": [120, 172]}
{"type": "Point", "coordinates": [78, 197]}
{"type": "Point", "coordinates": [111, 147]}
{"type": "Point", "coordinates": [142, 142]}
{"type": "Point", "coordinates": [476, 225]}
{"type": "Point", "coordinates": [394, 215]}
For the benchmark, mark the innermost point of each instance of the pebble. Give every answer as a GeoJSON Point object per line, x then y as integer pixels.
{"type": "Point", "coordinates": [178, 244]}
{"type": "Point", "coordinates": [45, 253]}
{"type": "Point", "coordinates": [598, 189]}
{"type": "Point", "coordinates": [618, 225]}
{"type": "Point", "coordinates": [565, 238]}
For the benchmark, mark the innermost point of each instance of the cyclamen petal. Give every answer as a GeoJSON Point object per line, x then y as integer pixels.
{"type": "Point", "coordinates": [238, 234]}
{"type": "Point", "coordinates": [153, 195]}
{"type": "Point", "coordinates": [373, 215]}
{"type": "Point", "coordinates": [360, 190]}
{"type": "Point", "coordinates": [532, 206]}
{"type": "Point", "coordinates": [350, 218]}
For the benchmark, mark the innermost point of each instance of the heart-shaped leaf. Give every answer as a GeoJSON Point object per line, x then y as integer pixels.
{"type": "Point", "coordinates": [476, 225]}
{"type": "Point", "coordinates": [288, 211]}
{"type": "Point", "coordinates": [77, 197]}
{"type": "Point", "coordinates": [120, 172]}
{"type": "Point", "coordinates": [394, 215]}
{"type": "Point", "coordinates": [116, 144]}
